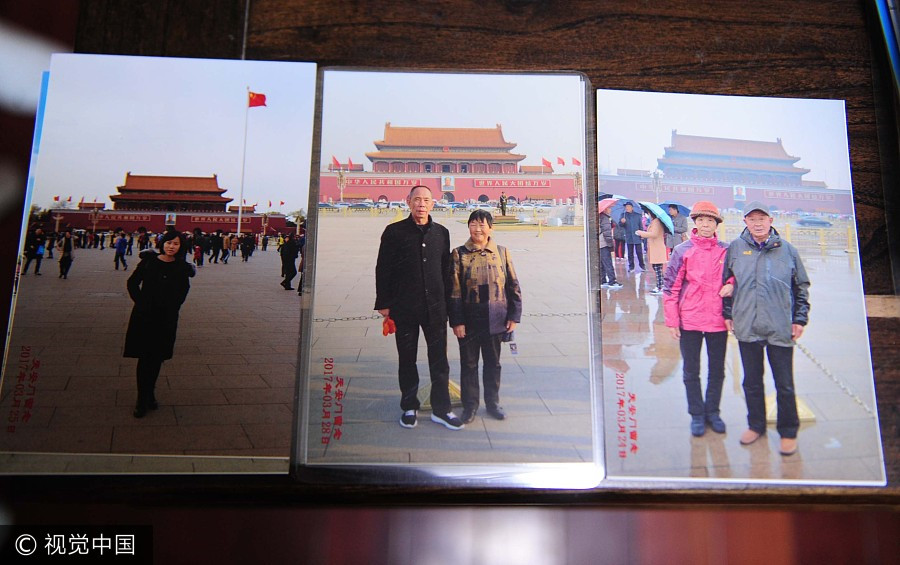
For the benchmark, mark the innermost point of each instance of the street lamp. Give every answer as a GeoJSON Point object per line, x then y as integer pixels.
{"type": "Point", "coordinates": [95, 218]}
{"type": "Point", "coordinates": [657, 184]}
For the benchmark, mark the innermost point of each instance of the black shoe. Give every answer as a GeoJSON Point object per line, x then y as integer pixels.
{"type": "Point", "coordinates": [468, 415]}
{"type": "Point", "coordinates": [140, 411]}
{"type": "Point", "coordinates": [496, 412]}
{"type": "Point", "coordinates": [37, 274]}
{"type": "Point", "coordinates": [408, 419]}
{"type": "Point", "coordinates": [448, 420]}
{"type": "Point", "coordinates": [153, 404]}
{"type": "Point", "coordinates": [698, 426]}
{"type": "Point", "coordinates": [716, 423]}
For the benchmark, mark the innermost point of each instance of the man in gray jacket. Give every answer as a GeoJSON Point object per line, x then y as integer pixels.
{"type": "Point", "coordinates": [767, 312]}
{"type": "Point", "coordinates": [681, 227]}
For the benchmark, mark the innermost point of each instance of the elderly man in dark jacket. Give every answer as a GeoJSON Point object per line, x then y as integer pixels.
{"type": "Point", "coordinates": [630, 222]}
{"type": "Point", "coordinates": [768, 311]}
{"type": "Point", "coordinates": [412, 285]}
{"type": "Point", "coordinates": [34, 250]}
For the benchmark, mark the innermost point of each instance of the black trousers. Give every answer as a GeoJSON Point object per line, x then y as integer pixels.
{"type": "Point", "coordinates": [289, 270]}
{"type": "Point", "coordinates": [635, 249]}
{"type": "Point", "coordinates": [147, 374]}
{"type": "Point", "coordinates": [691, 342]}
{"type": "Point", "coordinates": [607, 269]}
{"type": "Point", "coordinates": [65, 263]}
{"type": "Point", "coordinates": [489, 348]}
{"type": "Point", "coordinates": [781, 360]}
{"type": "Point", "coordinates": [407, 338]}
{"type": "Point", "coordinates": [37, 264]}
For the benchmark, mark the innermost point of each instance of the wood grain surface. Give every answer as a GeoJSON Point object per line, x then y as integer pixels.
{"type": "Point", "coordinates": [801, 48]}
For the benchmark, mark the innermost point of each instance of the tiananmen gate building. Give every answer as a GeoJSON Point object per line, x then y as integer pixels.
{"type": "Point", "coordinates": [729, 173]}
{"type": "Point", "coordinates": [457, 164]}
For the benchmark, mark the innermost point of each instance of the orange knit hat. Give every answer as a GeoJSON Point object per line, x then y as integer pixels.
{"type": "Point", "coordinates": [706, 208]}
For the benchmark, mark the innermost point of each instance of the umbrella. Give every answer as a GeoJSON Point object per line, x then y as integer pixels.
{"type": "Point", "coordinates": [605, 204]}
{"type": "Point", "coordinates": [618, 209]}
{"type": "Point", "coordinates": [682, 209]}
{"type": "Point", "coordinates": [655, 210]}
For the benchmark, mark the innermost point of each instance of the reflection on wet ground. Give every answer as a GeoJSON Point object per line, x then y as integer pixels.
{"type": "Point", "coordinates": [647, 423]}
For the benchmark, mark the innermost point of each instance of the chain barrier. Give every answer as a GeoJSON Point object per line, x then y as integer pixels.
{"type": "Point", "coordinates": [525, 315]}
{"type": "Point", "coordinates": [843, 386]}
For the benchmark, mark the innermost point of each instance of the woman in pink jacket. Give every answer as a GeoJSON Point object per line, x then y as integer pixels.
{"type": "Point", "coordinates": [693, 309]}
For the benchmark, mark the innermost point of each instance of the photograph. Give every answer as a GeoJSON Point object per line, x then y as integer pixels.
{"type": "Point", "coordinates": [448, 246]}
{"type": "Point", "coordinates": [150, 331]}
{"type": "Point", "coordinates": [735, 343]}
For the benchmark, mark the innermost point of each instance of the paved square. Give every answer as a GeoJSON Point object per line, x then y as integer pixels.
{"type": "Point", "coordinates": [545, 389]}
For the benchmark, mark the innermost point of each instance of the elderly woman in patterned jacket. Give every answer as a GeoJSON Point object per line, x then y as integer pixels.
{"type": "Point", "coordinates": [485, 305]}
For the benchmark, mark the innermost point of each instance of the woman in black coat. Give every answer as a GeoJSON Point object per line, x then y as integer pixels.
{"type": "Point", "coordinates": [158, 288]}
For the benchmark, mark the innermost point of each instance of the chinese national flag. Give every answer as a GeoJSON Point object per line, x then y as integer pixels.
{"type": "Point", "coordinates": [561, 161]}
{"type": "Point", "coordinates": [81, 201]}
{"type": "Point", "coordinates": [546, 163]}
{"type": "Point", "coordinates": [257, 99]}
{"type": "Point", "coordinates": [270, 203]}
{"type": "Point", "coordinates": [335, 162]}
{"type": "Point", "coordinates": [69, 199]}
{"type": "Point", "coordinates": [349, 163]}
{"type": "Point", "coordinates": [282, 202]}
{"type": "Point", "coordinates": [56, 198]}
{"type": "Point", "coordinates": [576, 162]}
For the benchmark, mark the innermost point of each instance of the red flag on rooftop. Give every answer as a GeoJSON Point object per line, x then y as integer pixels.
{"type": "Point", "coordinates": [546, 163]}
{"type": "Point", "coordinates": [561, 161]}
{"type": "Point", "coordinates": [335, 162]}
{"type": "Point", "coordinates": [81, 201]}
{"type": "Point", "coordinates": [282, 202]}
{"type": "Point", "coordinates": [576, 162]}
{"type": "Point", "coordinates": [69, 199]}
{"type": "Point", "coordinates": [257, 99]}
{"type": "Point", "coordinates": [270, 203]}
{"type": "Point", "coordinates": [349, 163]}
{"type": "Point", "coordinates": [56, 198]}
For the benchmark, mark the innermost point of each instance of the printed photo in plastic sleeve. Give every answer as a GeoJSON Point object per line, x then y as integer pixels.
{"type": "Point", "coordinates": [735, 345]}
{"type": "Point", "coordinates": [447, 330]}
{"type": "Point", "coordinates": [149, 332]}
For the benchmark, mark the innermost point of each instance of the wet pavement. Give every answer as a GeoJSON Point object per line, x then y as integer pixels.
{"type": "Point", "coordinates": [838, 437]}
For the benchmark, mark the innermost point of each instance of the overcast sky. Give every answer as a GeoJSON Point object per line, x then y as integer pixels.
{"type": "Point", "coordinates": [107, 115]}
{"type": "Point", "coordinates": [543, 114]}
{"type": "Point", "coordinates": [634, 128]}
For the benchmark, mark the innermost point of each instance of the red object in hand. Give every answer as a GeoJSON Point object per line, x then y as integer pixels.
{"type": "Point", "coordinates": [388, 326]}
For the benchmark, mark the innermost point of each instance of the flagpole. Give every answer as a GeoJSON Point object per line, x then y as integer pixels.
{"type": "Point", "coordinates": [243, 161]}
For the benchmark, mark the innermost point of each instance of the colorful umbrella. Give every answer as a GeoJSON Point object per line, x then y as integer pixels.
{"type": "Point", "coordinates": [660, 214]}
{"type": "Point", "coordinates": [618, 209]}
{"type": "Point", "coordinates": [605, 204]}
{"type": "Point", "coordinates": [682, 209]}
